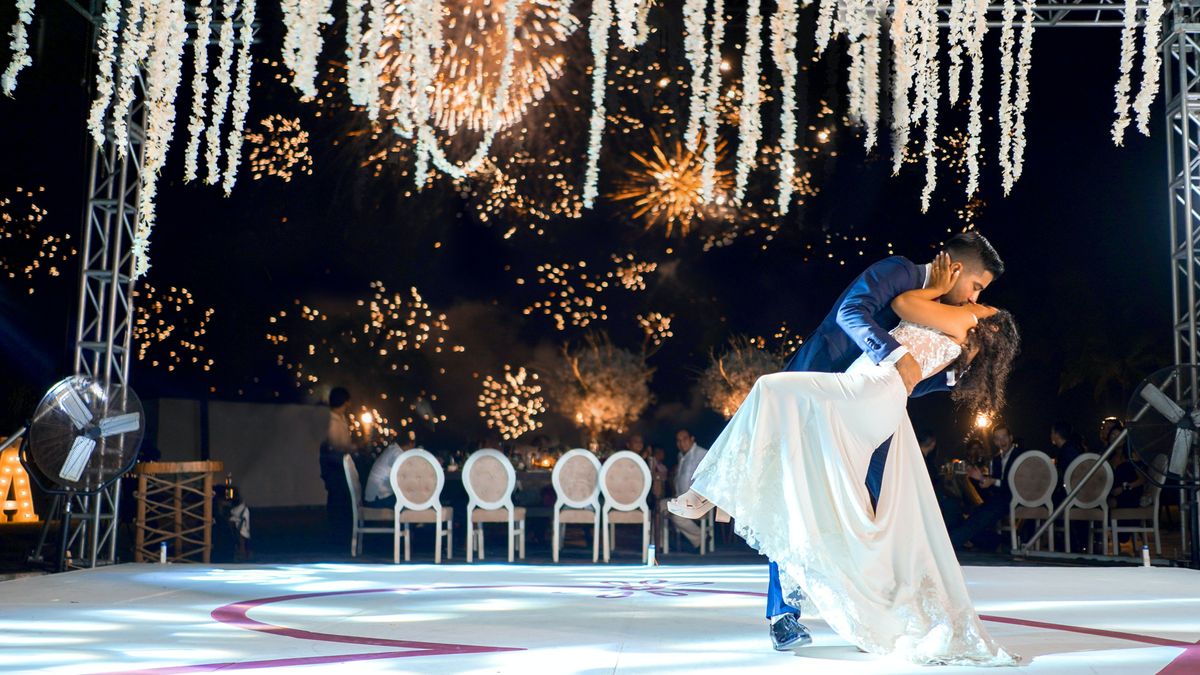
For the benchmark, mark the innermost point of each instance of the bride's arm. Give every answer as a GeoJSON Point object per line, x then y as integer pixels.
{"type": "Point", "coordinates": [920, 306]}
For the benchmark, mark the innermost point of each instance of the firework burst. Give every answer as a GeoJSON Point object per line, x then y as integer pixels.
{"type": "Point", "coordinates": [512, 404]}
{"type": "Point", "coordinates": [664, 187]}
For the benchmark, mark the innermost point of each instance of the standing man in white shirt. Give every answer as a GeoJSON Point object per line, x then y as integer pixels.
{"type": "Point", "coordinates": [378, 493]}
{"type": "Point", "coordinates": [690, 456]}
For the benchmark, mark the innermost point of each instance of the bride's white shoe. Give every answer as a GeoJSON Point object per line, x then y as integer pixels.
{"type": "Point", "coordinates": [692, 504]}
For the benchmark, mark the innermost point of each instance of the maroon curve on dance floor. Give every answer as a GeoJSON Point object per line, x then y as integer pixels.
{"type": "Point", "coordinates": [237, 614]}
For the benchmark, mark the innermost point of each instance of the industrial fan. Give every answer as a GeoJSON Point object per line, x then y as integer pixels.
{"type": "Point", "coordinates": [1163, 420]}
{"type": "Point", "coordinates": [83, 436]}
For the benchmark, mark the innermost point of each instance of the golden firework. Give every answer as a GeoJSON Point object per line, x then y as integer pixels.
{"type": "Point", "coordinates": [281, 150]}
{"type": "Point", "coordinates": [470, 58]}
{"type": "Point", "coordinates": [664, 189]}
{"type": "Point", "coordinates": [512, 405]}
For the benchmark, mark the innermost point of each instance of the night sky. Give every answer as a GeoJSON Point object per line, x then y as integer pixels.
{"type": "Point", "coordinates": [1084, 236]}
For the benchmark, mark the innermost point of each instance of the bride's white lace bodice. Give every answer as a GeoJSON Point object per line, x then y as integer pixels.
{"type": "Point", "coordinates": [932, 349]}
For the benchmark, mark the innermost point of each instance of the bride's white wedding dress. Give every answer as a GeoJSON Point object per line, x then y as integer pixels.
{"type": "Point", "coordinates": [790, 468]}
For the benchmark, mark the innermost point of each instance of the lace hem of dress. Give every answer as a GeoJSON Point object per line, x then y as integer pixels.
{"type": "Point", "coordinates": [934, 633]}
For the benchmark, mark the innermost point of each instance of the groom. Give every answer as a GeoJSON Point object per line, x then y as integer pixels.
{"type": "Point", "coordinates": [859, 322]}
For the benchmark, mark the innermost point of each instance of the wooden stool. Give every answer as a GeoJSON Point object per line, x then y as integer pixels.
{"type": "Point", "coordinates": [174, 504]}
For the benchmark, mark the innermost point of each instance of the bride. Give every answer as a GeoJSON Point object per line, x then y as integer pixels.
{"type": "Point", "coordinates": [790, 468]}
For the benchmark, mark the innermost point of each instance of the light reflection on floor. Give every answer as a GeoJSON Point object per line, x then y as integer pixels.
{"type": "Point", "coordinates": [587, 619]}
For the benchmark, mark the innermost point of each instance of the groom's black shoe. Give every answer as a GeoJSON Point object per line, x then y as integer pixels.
{"type": "Point", "coordinates": [788, 633]}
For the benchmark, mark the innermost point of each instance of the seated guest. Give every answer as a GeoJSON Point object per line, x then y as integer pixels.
{"type": "Point", "coordinates": [690, 455]}
{"type": "Point", "coordinates": [1128, 482]}
{"type": "Point", "coordinates": [979, 527]}
{"type": "Point", "coordinates": [928, 442]}
{"type": "Point", "coordinates": [1067, 446]}
{"type": "Point", "coordinates": [378, 492]}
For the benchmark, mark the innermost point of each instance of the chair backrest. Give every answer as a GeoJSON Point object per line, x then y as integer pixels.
{"type": "Point", "coordinates": [489, 479]}
{"type": "Point", "coordinates": [1032, 478]}
{"type": "Point", "coordinates": [1095, 492]}
{"type": "Point", "coordinates": [353, 483]}
{"type": "Point", "coordinates": [625, 481]}
{"type": "Point", "coordinates": [417, 480]}
{"type": "Point", "coordinates": [576, 479]}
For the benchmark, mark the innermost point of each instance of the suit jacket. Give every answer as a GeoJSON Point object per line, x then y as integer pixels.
{"type": "Point", "coordinates": [1001, 490]}
{"type": "Point", "coordinates": [860, 320]}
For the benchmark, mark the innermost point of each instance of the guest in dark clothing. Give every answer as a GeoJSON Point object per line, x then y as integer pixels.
{"type": "Point", "coordinates": [979, 527]}
{"type": "Point", "coordinates": [338, 443]}
{"type": "Point", "coordinates": [1128, 482]}
{"type": "Point", "coordinates": [1068, 445]}
{"type": "Point", "coordinates": [951, 508]}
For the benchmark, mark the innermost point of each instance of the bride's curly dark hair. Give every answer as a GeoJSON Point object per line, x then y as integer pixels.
{"type": "Point", "coordinates": [982, 382]}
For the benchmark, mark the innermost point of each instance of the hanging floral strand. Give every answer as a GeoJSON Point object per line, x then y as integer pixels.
{"type": "Point", "coordinates": [598, 32]}
{"type": "Point", "coordinates": [976, 28]}
{"type": "Point", "coordinates": [870, 56]}
{"type": "Point", "coordinates": [749, 117]}
{"type": "Point", "coordinates": [427, 142]}
{"type": "Point", "coordinates": [374, 58]}
{"type": "Point", "coordinates": [220, 102]}
{"type": "Point", "coordinates": [164, 73]}
{"type": "Point", "coordinates": [959, 26]}
{"type": "Point", "coordinates": [20, 47]}
{"type": "Point", "coordinates": [138, 26]}
{"type": "Point", "coordinates": [1151, 64]}
{"type": "Point", "coordinates": [355, 75]}
{"type": "Point", "coordinates": [302, 42]}
{"type": "Point", "coordinates": [1007, 43]}
{"type": "Point", "coordinates": [712, 121]}
{"type": "Point", "coordinates": [827, 26]}
{"type": "Point", "coordinates": [904, 45]}
{"type": "Point", "coordinates": [783, 51]}
{"type": "Point", "coordinates": [930, 92]}
{"type": "Point", "coordinates": [241, 96]}
{"type": "Point", "coordinates": [1128, 40]}
{"type": "Point", "coordinates": [694, 20]}
{"type": "Point", "coordinates": [199, 87]}
{"type": "Point", "coordinates": [110, 24]}
{"type": "Point", "coordinates": [632, 27]}
{"type": "Point", "coordinates": [1024, 63]}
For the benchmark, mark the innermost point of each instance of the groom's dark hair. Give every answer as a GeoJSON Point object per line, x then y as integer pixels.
{"type": "Point", "coordinates": [975, 248]}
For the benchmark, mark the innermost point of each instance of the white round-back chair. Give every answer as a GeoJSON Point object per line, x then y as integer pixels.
{"type": "Point", "coordinates": [417, 480]}
{"type": "Point", "coordinates": [576, 480]}
{"type": "Point", "coordinates": [489, 480]}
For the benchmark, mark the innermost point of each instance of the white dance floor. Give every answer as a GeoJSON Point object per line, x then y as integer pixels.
{"type": "Point", "coordinates": [549, 619]}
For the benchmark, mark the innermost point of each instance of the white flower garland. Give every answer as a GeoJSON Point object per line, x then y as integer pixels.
{"type": "Point", "coordinates": [959, 26]}
{"type": "Point", "coordinates": [694, 20]}
{"type": "Point", "coordinates": [220, 101]}
{"type": "Point", "coordinates": [20, 47]}
{"type": "Point", "coordinates": [826, 27]}
{"type": "Point", "coordinates": [1007, 42]}
{"type": "Point", "coordinates": [425, 29]}
{"type": "Point", "coordinates": [927, 14]}
{"type": "Point", "coordinates": [749, 117]}
{"type": "Point", "coordinates": [1151, 64]}
{"type": "Point", "coordinates": [1128, 39]}
{"type": "Point", "coordinates": [975, 30]}
{"type": "Point", "coordinates": [632, 27]}
{"type": "Point", "coordinates": [302, 42]}
{"type": "Point", "coordinates": [712, 121]}
{"type": "Point", "coordinates": [855, 16]}
{"type": "Point", "coordinates": [110, 24]}
{"type": "Point", "coordinates": [241, 96]}
{"type": "Point", "coordinates": [427, 141]}
{"type": "Point", "coordinates": [164, 72]}
{"type": "Point", "coordinates": [904, 63]}
{"type": "Point", "coordinates": [1024, 62]}
{"type": "Point", "coordinates": [355, 77]}
{"type": "Point", "coordinates": [783, 51]}
{"type": "Point", "coordinates": [374, 58]}
{"type": "Point", "coordinates": [134, 45]}
{"type": "Point", "coordinates": [199, 87]}
{"type": "Point", "coordinates": [598, 32]}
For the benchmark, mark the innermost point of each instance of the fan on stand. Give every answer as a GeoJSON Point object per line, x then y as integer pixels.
{"type": "Point", "coordinates": [1161, 424]}
{"type": "Point", "coordinates": [82, 437]}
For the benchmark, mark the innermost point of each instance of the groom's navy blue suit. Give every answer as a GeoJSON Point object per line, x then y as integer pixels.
{"type": "Point", "coordinates": [859, 323]}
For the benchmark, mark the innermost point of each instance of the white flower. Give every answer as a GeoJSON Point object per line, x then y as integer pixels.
{"type": "Point", "coordinates": [302, 42]}
{"type": "Point", "coordinates": [928, 17]}
{"type": "Point", "coordinates": [139, 23]}
{"type": "Point", "coordinates": [904, 65]}
{"type": "Point", "coordinates": [241, 95]}
{"type": "Point", "coordinates": [110, 23]}
{"type": "Point", "coordinates": [783, 52]}
{"type": "Point", "coordinates": [694, 21]}
{"type": "Point", "coordinates": [975, 30]}
{"type": "Point", "coordinates": [749, 118]}
{"type": "Point", "coordinates": [1151, 64]}
{"type": "Point", "coordinates": [632, 27]}
{"type": "Point", "coordinates": [598, 32]}
{"type": "Point", "coordinates": [1007, 42]}
{"type": "Point", "coordinates": [1021, 104]}
{"type": "Point", "coordinates": [20, 47]}
{"type": "Point", "coordinates": [712, 121]}
{"type": "Point", "coordinates": [199, 87]}
{"type": "Point", "coordinates": [1128, 38]}
{"type": "Point", "coordinates": [220, 102]}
